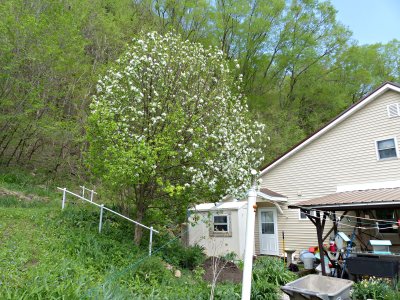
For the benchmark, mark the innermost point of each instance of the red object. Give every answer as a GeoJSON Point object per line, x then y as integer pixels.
{"type": "Point", "coordinates": [332, 247]}
{"type": "Point", "coordinates": [311, 249]}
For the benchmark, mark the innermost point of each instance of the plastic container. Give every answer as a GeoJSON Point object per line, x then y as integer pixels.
{"type": "Point", "coordinates": [308, 259]}
{"type": "Point", "coordinates": [318, 287]}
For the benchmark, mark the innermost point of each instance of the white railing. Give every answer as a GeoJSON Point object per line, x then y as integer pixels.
{"type": "Point", "coordinates": [102, 207]}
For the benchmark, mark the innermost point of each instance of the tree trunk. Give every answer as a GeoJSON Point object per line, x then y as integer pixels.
{"type": "Point", "coordinates": [139, 218]}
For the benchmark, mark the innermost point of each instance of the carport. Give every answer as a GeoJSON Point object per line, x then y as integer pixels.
{"type": "Point", "coordinates": [374, 213]}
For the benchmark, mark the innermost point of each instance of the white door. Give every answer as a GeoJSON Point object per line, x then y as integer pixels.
{"type": "Point", "coordinates": [268, 231]}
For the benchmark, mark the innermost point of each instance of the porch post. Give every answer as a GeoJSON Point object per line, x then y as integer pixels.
{"type": "Point", "coordinates": [320, 229]}
{"type": "Point", "coordinates": [249, 245]}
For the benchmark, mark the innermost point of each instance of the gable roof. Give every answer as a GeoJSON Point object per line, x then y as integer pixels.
{"type": "Point", "coordinates": [387, 86]}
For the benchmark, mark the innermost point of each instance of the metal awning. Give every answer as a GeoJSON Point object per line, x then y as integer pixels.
{"type": "Point", "coordinates": [354, 200]}
{"type": "Point", "coordinates": [357, 201]}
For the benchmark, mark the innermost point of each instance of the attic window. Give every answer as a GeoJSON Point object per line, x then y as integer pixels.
{"type": "Point", "coordinates": [393, 110]}
{"type": "Point", "coordinates": [386, 149]}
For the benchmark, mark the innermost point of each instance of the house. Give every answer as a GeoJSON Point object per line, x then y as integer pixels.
{"type": "Point", "coordinates": [355, 156]}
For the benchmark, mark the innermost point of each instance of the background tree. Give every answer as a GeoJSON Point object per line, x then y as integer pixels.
{"type": "Point", "coordinates": [169, 127]}
{"type": "Point", "coordinates": [300, 66]}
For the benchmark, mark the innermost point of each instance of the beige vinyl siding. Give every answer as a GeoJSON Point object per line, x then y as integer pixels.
{"type": "Point", "coordinates": [344, 155]}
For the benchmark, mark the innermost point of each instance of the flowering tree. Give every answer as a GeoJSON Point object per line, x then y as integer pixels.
{"type": "Point", "coordinates": [169, 127]}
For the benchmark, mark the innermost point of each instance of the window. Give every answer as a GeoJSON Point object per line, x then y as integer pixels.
{"type": "Point", "coordinates": [267, 222]}
{"type": "Point", "coordinates": [386, 149]}
{"type": "Point", "coordinates": [303, 216]}
{"type": "Point", "coordinates": [221, 223]}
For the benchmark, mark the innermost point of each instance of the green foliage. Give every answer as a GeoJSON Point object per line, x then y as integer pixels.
{"type": "Point", "coordinates": [152, 270]}
{"type": "Point", "coordinates": [178, 255]}
{"type": "Point", "coordinates": [47, 253]}
{"type": "Point", "coordinates": [169, 125]}
{"type": "Point", "coordinates": [272, 270]}
{"type": "Point", "coordinates": [264, 291]}
{"type": "Point", "coordinates": [374, 288]}
{"type": "Point", "coordinates": [269, 273]}
{"type": "Point", "coordinates": [296, 59]}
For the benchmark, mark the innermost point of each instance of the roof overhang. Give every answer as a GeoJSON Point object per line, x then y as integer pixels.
{"type": "Point", "coordinates": [274, 199]}
{"type": "Point", "coordinates": [388, 86]}
{"type": "Point", "coordinates": [354, 200]}
{"type": "Point", "coordinates": [350, 206]}
{"type": "Point", "coordinates": [271, 198]}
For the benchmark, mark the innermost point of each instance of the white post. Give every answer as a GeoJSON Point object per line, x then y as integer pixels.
{"type": "Point", "coordinates": [91, 196]}
{"type": "Point", "coordinates": [101, 217]}
{"type": "Point", "coordinates": [151, 239]}
{"type": "Point", "coordinates": [64, 198]}
{"type": "Point", "coordinates": [249, 245]}
{"type": "Point", "coordinates": [83, 191]}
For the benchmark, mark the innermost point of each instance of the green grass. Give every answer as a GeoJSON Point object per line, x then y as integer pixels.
{"type": "Point", "coordinates": [46, 253]}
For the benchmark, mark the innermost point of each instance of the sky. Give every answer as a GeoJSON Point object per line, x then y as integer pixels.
{"type": "Point", "coordinates": [371, 21]}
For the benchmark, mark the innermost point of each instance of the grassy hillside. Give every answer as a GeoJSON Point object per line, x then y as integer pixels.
{"type": "Point", "coordinates": [46, 253]}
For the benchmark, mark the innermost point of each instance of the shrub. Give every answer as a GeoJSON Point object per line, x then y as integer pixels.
{"type": "Point", "coordinates": [264, 291]}
{"type": "Point", "coordinates": [152, 269]}
{"type": "Point", "coordinates": [268, 274]}
{"type": "Point", "coordinates": [373, 288]}
{"type": "Point", "coordinates": [272, 270]}
{"type": "Point", "coordinates": [179, 255]}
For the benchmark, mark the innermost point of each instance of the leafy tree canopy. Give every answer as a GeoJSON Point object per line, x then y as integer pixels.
{"type": "Point", "coordinates": [169, 126]}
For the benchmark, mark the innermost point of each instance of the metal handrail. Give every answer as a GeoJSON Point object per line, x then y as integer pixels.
{"type": "Point", "coordinates": [102, 207]}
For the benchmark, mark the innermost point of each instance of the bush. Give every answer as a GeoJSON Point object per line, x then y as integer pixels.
{"type": "Point", "coordinates": [268, 274]}
{"type": "Point", "coordinates": [152, 269]}
{"type": "Point", "coordinates": [264, 291]}
{"type": "Point", "coordinates": [178, 255]}
{"type": "Point", "coordinates": [374, 288]}
{"type": "Point", "coordinates": [272, 270]}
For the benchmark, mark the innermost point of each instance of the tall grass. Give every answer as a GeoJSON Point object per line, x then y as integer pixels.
{"type": "Point", "coordinates": [47, 253]}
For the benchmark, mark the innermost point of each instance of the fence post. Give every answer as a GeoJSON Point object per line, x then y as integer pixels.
{"type": "Point", "coordinates": [101, 217]}
{"type": "Point", "coordinates": [151, 240]}
{"type": "Point", "coordinates": [83, 191]}
{"type": "Point", "coordinates": [91, 196]}
{"type": "Point", "coordinates": [64, 198]}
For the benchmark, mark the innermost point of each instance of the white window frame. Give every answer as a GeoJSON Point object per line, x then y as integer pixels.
{"type": "Point", "coordinates": [395, 145]}
{"type": "Point", "coordinates": [215, 233]}
{"type": "Point", "coordinates": [312, 212]}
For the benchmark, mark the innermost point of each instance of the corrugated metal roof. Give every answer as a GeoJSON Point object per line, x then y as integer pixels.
{"type": "Point", "coordinates": [355, 197]}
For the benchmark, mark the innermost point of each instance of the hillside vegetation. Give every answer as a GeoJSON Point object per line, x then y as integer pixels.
{"type": "Point", "coordinates": [47, 253]}
{"type": "Point", "coordinates": [300, 66]}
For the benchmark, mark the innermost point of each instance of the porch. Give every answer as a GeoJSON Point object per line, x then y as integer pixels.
{"type": "Point", "coordinates": [362, 215]}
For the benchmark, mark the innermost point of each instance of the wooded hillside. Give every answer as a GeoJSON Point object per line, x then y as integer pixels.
{"type": "Point", "coordinates": [300, 66]}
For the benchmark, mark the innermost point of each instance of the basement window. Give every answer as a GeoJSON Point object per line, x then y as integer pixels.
{"type": "Point", "coordinates": [386, 149]}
